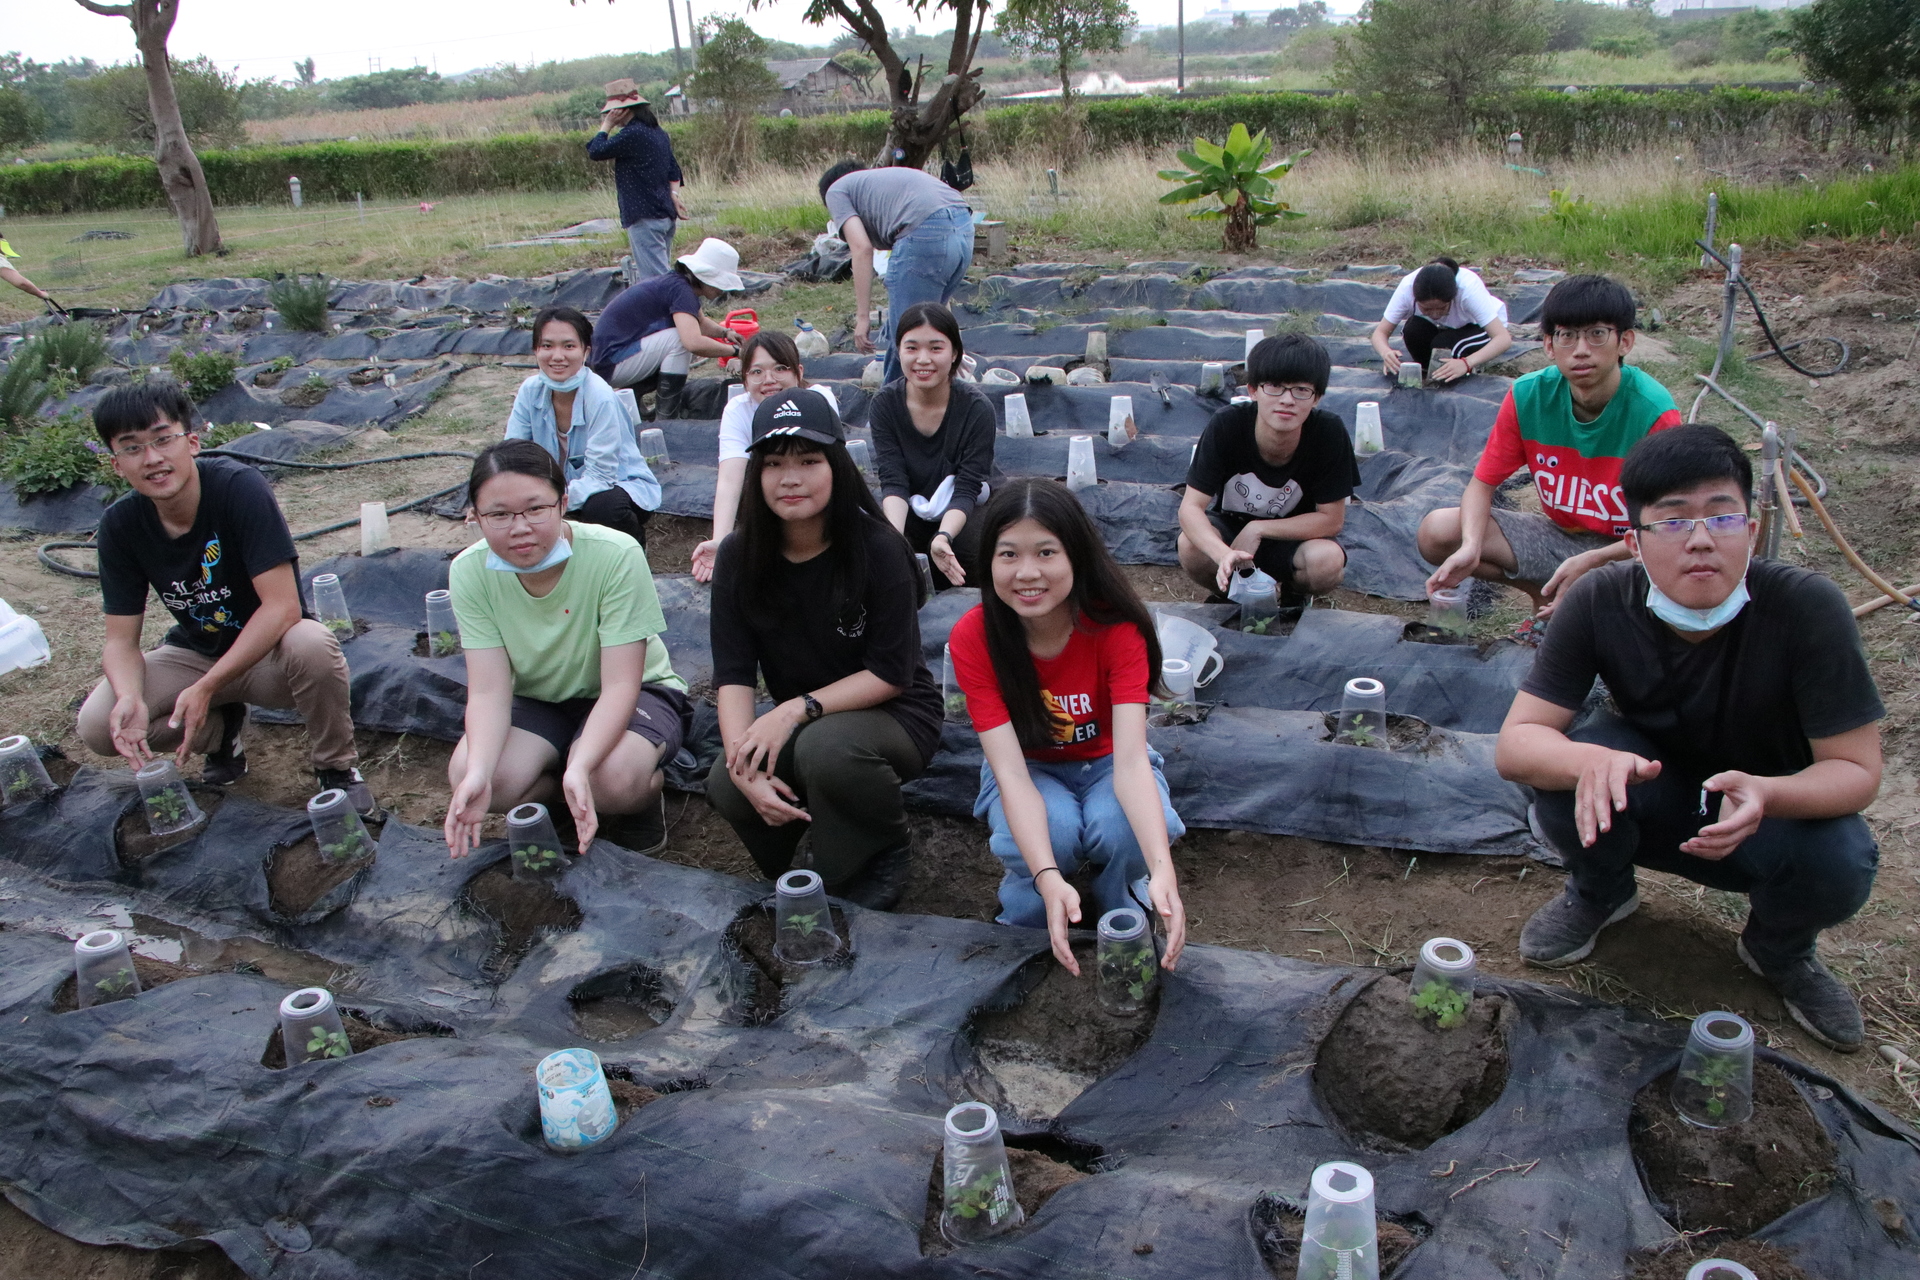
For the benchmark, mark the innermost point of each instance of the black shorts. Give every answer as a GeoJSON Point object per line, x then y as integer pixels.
{"type": "Point", "coordinates": [1273, 557]}
{"type": "Point", "coordinates": [663, 716]}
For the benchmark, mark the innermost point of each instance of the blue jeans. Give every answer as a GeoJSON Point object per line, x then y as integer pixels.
{"type": "Point", "coordinates": [1085, 823]}
{"type": "Point", "coordinates": [927, 265]}
{"type": "Point", "coordinates": [651, 240]}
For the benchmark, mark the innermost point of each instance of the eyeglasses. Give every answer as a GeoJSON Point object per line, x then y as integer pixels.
{"type": "Point", "coordinates": [499, 521]}
{"type": "Point", "coordinates": [1301, 393]}
{"type": "Point", "coordinates": [1597, 336]}
{"type": "Point", "coordinates": [159, 444]}
{"type": "Point", "coordinates": [1726, 526]}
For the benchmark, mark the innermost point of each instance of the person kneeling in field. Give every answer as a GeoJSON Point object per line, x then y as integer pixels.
{"type": "Point", "coordinates": [1746, 742]}
{"type": "Point", "coordinates": [206, 535]}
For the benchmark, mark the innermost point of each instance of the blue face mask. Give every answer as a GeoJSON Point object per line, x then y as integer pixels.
{"type": "Point", "coordinates": [571, 384]}
{"type": "Point", "coordinates": [1681, 618]}
{"type": "Point", "coordinates": [561, 553]}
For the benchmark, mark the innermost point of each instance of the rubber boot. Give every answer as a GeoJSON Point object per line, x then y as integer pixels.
{"type": "Point", "coordinates": [666, 402]}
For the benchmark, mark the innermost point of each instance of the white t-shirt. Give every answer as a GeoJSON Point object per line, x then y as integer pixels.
{"type": "Point", "coordinates": [736, 422]}
{"type": "Point", "coordinates": [1473, 304]}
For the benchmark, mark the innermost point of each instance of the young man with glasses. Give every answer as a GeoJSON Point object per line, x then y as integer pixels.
{"type": "Point", "coordinates": [1741, 745]}
{"type": "Point", "coordinates": [1569, 424]}
{"type": "Point", "coordinates": [206, 536]}
{"type": "Point", "coordinates": [1269, 481]}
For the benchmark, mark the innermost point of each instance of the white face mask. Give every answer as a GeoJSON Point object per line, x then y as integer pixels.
{"type": "Point", "coordinates": [1681, 618]}
{"type": "Point", "coordinates": [561, 553]}
{"type": "Point", "coordinates": [571, 384]}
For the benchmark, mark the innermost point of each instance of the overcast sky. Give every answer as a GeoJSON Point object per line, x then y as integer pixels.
{"type": "Point", "coordinates": [265, 37]}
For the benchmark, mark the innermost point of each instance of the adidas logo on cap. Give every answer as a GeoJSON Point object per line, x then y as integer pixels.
{"type": "Point", "coordinates": [788, 409]}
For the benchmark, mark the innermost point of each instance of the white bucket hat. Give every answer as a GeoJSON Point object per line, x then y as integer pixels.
{"type": "Point", "coordinates": [716, 263]}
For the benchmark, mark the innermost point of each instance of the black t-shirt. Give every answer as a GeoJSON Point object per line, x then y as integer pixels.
{"type": "Point", "coordinates": [1788, 668]}
{"type": "Point", "coordinates": [794, 641]}
{"type": "Point", "coordinates": [205, 579]}
{"type": "Point", "coordinates": [1245, 486]}
{"type": "Point", "coordinates": [913, 465]}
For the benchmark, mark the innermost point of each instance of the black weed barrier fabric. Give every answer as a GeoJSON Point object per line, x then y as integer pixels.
{"type": "Point", "coordinates": [797, 1142]}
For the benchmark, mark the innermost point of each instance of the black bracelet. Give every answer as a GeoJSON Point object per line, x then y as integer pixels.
{"type": "Point", "coordinates": [1042, 871]}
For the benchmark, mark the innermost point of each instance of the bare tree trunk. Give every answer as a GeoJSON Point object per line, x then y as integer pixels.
{"type": "Point", "coordinates": [180, 173]}
{"type": "Point", "coordinates": [917, 127]}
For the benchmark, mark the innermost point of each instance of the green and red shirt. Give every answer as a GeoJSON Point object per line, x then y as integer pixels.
{"type": "Point", "coordinates": [1575, 465]}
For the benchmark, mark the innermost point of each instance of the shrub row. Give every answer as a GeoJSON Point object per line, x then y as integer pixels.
{"type": "Point", "coordinates": [1555, 125]}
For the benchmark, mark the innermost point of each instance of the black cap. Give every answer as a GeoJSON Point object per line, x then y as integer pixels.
{"type": "Point", "coordinates": [797, 412]}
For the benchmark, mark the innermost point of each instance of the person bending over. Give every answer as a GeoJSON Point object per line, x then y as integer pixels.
{"type": "Point", "coordinates": [1444, 307]}
{"type": "Point", "coordinates": [1058, 662]}
{"type": "Point", "coordinates": [654, 328]}
{"type": "Point", "coordinates": [608, 482]}
{"type": "Point", "coordinates": [1571, 424]}
{"type": "Point", "coordinates": [206, 536]}
{"type": "Point", "coordinates": [1269, 481]}
{"type": "Point", "coordinates": [933, 442]}
{"type": "Point", "coordinates": [569, 686]}
{"type": "Point", "coordinates": [1745, 745]}
{"type": "Point", "coordinates": [11, 274]}
{"type": "Point", "coordinates": [769, 362]}
{"type": "Point", "coordinates": [817, 596]}
{"type": "Point", "coordinates": [925, 224]}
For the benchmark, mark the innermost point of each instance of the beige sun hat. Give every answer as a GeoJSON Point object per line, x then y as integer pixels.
{"type": "Point", "coordinates": [716, 263]}
{"type": "Point", "coordinates": [620, 95]}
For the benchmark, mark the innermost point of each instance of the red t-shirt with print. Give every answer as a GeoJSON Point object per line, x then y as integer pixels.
{"type": "Point", "coordinates": [1100, 666]}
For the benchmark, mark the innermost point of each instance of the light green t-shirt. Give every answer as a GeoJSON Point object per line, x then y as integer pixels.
{"type": "Point", "coordinates": [604, 597]}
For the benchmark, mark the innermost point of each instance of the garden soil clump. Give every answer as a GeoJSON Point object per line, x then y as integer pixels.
{"type": "Point", "coordinates": [1278, 1226]}
{"type": "Point", "coordinates": [1058, 1040]}
{"type": "Point", "coordinates": [1765, 1261]}
{"type": "Point", "coordinates": [136, 843]}
{"type": "Point", "coordinates": [751, 938]}
{"type": "Point", "coordinates": [523, 910]}
{"type": "Point", "coordinates": [1736, 1179]}
{"type": "Point", "coordinates": [298, 877]}
{"type": "Point", "coordinates": [1036, 1177]}
{"type": "Point", "coordinates": [1393, 1078]}
{"type": "Point", "coordinates": [361, 1034]}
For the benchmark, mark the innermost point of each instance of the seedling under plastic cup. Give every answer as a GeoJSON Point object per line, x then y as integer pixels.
{"type": "Point", "coordinates": [533, 844]}
{"type": "Point", "coordinates": [1120, 428]}
{"type": "Point", "coordinates": [330, 605]}
{"type": "Point", "coordinates": [873, 375]}
{"type": "Point", "coordinates": [803, 932]}
{"type": "Point", "coordinates": [443, 627]}
{"type": "Point", "coordinates": [103, 969]}
{"type": "Point", "coordinates": [1441, 989]}
{"type": "Point", "coordinates": [1713, 1089]}
{"type": "Point", "coordinates": [952, 700]}
{"type": "Point", "coordinates": [1258, 596]}
{"type": "Point", "coordinates": [1019, 421]}
{"type": "Point", "coordinates": [1411, 373]}
{"type": "Point", "coordinates": [374, 535]}
{"type": "Point", "coordinates": [1254, 338]}
{"type": "Point", "coordinates": [1719, 1269]}
{"type": "Point", "coordinates": [1447, 609]}
{"type": "Point", "coordinates": [337, 827]}
{"type": "Point", "coordinates": [1363, 713]}
{"type": "Point", "coordinates": [1213, 376]}
{"type": "Point", "coordinates": [1368, 437]}
{"type": "Point", "coordinates": [1339, 1241]}
{"type": "Point", "coordinates": [170, 807]}
{"type": "Point", "coordinates": [576, 1107]}
{"type": "Point", "coordinates": [653, 447]}
{"type": "Point", "coordinates": [1080, 465]}
{"type": "Point", "coordinates": [861, 453]}
{"type": "Point", "coordinates": [22, 776]}
{"type": "Point", "coordinates": [978, 1200]}
{"type": "Point", "coordinates": [1176, 676]}
{"type": "Point", "coordinates": [1124, 961]}
{"type": "Point", "coordinates": [925, 566]}
{"type": "Point", "coordinates": [1097, 346]}
{"type": "Point", "coordinates": [310, 1027]}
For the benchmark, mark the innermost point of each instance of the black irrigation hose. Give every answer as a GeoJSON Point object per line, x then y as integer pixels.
{"type": "Point", "coordinates": [1778, 350]}
{"type": "Point", "coordinates": [58, 566]}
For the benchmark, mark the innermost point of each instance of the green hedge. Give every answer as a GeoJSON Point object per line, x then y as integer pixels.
{"type": "Point", "coordinates": [1555, 125]}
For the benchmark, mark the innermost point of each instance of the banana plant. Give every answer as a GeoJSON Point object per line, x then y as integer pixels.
{"type": "Point", "coordinates": [1233, 175]}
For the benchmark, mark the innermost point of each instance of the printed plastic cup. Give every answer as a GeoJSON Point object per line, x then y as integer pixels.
{"type": "Point", "coordinates": [1340, 1237]}
{"type": "Point", "coordinates": [1254, 338]}
{"type": "Point", "coordinates": [330, 605]}
{"type": "Point", "coordinates": [22, 775]}
{"type": "Point", "coordinates": [576, 1107]}
{"type": "Point", "coordinates": [374, 535]}
{"type": "Point", "coordinates": [443, 627]}
{"type": "Point", "coordinates": [1363, 713]}
{"type": "Point", "coordinates": [803, 932]}
{"type": "Point", "coordinates": [861, 453]}
{"type": "Point", "coordinates": [1713, 1089]}
{"type": "Point", "coordinates": [341, 834]}
{"type": "Point", "coordinates": [169, 805]}
{"type": "Point", "coordinates": [310, 1027]}
{"type": "Point", "coordinates": [1368, 437]}
{"type": "Point", "coordinates": [1127, 970]}
{"type": "Point", "coordinates": [1080, 465]}
{"type": "Point", "coordinates": [533, 844]}
{"type": "Point", "coordinates": [952, 699]}
{"type": "Point", "coordinates": [1447, 608]}
{"type": "Point", "coordinates": [1120, 427]}
{"type": "Point", "coordinates": [1019, 423]}
{"type": "Point", "coordinates": [1097, 346]}
{"type": "Point", "coordinates": [653, 447]}
{"type": "Point", "coordinates": [977, 1202]}
{"type": "Point", "coordinates": [1213, 377]}
{"type": "Point", "coordinates": [103, 969]}
{"type": "Point", "coordinates": [1442, 985]}
{"type": "Point", "coordinates": [1719, 1269]}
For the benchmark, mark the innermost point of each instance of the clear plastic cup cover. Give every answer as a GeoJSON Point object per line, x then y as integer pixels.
{"type": "Point", "coordinates": [978, 1199]}
{"type": "Point", "coordinates": [1177, 675]}
{"type": "Point", "coordinates": [1339, 1238]}
{"type": "Point", "coordinates": [1126, 967]}
{"type": "Point", "coordinates": [1441, 988]}
{"type": "Point", "coordinates": [1019, 421]}
{"type": "Point", "coordinates": [953, 699]}
{"type": "Point", "coordinates": [342, 836]}
{"type": "Point", "coordinates": [1081, 469]}
{"type": "Point", "coordinates": [1719, 1269]}
{"type": "Point", "coordinates": [23, 776]}
{"type": "Point", "coordinates": [803, 928]}
{"type": "Point", "coordinates": [103, 969]}
{"type": "Point", "coordinates": [310, 1027]}
{"type": "Point", "coordinates": [533, 844]}
{"type": "Point", "coordinates": [1713, 1087]}
{"type": "Point", "coordinates": [653, 446]}
{"type": "Point", "coordinates": [169, 805]}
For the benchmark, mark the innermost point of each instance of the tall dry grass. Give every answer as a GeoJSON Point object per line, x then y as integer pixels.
{"type": "Point", "coordinates": [446, 121]}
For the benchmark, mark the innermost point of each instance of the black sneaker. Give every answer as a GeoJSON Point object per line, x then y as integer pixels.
{"type": "Point", "coordinates": [882, 882]}
{"type": "Point", "coordinates": [643, 832]}
{"type": "Point", "coordinates": [1816, 999]}
{"type": "Point", "coordinates": [1563, 932]}
{"type": "Point", "coordinates": [226, 764]}
{"type": "Point", "coordinates": [359, 795]}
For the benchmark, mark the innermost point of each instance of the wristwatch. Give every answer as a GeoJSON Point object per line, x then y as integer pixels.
{"type": "Point", "coordinates": [814, 709]}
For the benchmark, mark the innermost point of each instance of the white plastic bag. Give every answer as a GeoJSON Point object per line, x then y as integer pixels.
{"type": "Point", "coordinates": [22, 643]}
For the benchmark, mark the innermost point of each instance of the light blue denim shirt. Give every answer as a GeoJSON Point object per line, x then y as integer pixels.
{"type": "Point", "coordinates": [602, 450]}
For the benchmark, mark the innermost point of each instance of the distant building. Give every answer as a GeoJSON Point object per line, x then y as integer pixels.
{"type": "Point", "coordinates": [816, 84]}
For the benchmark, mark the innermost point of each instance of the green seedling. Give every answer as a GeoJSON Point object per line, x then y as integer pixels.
{"type": "Point", "coordinates": [978, 1196]}
{"type": "Point", "coordinates": [168, 806]}
{"type": "Point", "coordinates": [1715, 1075]}
{"type": "Point", "coordinates": [1446, 1005]}
{"type": "Point", "coordinates": [1336, 1264]}
{"type": "Point", "coordinates": [279, 364]}
{"type": "Point", "coordinates": [328, 1044]}
{"type": "Point", "coordinates": [1133, 966]}
{"type": "Point", "coordinates": [1359, 732]}
{"type": "Point", "coordinates": [1260, 627]}
{"type": "Point", "coordinates": [956, 706]}
{"type": "Point", "coordinates": [806, 924]}
{"type": "Point", "coordinates": [350, 846]}
{"type": "Point", "coordinates": [531, 857]}
{"type": "Point", "coordinates": [445, 643]}
{"type": "Point", "coordinates": [116, 984]}
{"type": "Point", "coordinates": [19, 786]}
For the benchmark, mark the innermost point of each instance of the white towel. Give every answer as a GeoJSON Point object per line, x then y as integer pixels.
{"type": "Point", "coordinates": [931, 509]}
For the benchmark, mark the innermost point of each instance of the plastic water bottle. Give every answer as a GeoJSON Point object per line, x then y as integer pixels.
{"type": "Point", "coordinates": [811, 342]}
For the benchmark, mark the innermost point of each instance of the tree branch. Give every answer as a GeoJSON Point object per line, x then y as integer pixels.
{"type": "Point", "coordinates": [107, 10]}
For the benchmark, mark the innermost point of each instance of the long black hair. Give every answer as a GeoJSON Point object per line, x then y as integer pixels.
{"type": "Point", "coordinates": [1437, 281]}
{"type": "Point", "coordinates": [762, 533]}
{"type": "Point", "coordinates": [1100, 592]}
{"type": "Point", "coordinates": [934, 316]}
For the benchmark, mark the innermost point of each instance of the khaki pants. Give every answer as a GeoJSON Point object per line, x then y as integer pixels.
{"type": "Point", "coordinates": [305, 671]}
